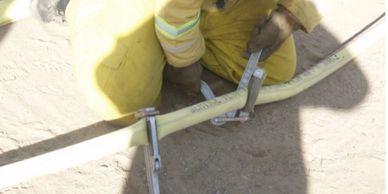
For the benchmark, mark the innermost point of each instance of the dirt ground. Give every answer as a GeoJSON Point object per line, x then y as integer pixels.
{"type": "Point", "coordinates": [329, 139]}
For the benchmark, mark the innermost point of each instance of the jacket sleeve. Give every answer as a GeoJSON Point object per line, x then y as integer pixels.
{"type": "Point", "coordinates": [177, 27]}
{"type": "Point", "coordinates": [305, 11]}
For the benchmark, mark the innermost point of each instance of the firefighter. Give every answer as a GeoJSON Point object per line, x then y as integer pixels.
{"type": "Point", "coordinates": [122, 47]}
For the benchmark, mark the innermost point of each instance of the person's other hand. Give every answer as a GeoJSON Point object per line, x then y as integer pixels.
{"type": "Point", "coordinates": [187, 79]}
{"type": "Point", "coordinates": [270, 33]}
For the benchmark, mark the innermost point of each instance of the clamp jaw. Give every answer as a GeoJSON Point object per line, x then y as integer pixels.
{"type": "Point", "coordinates": [252, 79]}
{"type": "Point", "coordinates": [151, 151]}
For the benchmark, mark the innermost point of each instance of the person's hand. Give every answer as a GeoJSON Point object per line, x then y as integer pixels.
{"type": "Point", "coordinates": [270, 33]}
{"type": "Point", "coordinates": [187, 79]}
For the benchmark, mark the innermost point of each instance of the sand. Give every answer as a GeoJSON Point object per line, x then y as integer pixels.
{"type": "Point", "coordinates": [329, 139]}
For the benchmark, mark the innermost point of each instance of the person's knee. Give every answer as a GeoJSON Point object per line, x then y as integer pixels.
{"type": "Point", "coordinates": [281, 66]}
{"type": "Point", "coordinates": [281, 72]}
{"type": "Point", "coordinates": [287, 71]}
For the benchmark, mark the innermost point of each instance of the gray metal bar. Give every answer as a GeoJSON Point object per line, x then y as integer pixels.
{"type": "Point", "coordinates": [151, 151]}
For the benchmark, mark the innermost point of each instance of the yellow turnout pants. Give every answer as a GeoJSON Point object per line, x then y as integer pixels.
{"type": "Point", "coordinates": [119, 61]}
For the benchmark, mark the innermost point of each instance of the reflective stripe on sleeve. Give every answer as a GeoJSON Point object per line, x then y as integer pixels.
{"type": "Point", "coordinates": [178, 48]}
{"type": "Point", "coordinates": [174, 32]}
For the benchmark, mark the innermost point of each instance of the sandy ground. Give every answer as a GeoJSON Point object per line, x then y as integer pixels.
{"type": "Point", "coordinates": [329, 139]}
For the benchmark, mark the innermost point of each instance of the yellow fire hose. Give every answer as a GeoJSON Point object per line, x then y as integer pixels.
{"type": "Point", "coordinates": [169, 123]}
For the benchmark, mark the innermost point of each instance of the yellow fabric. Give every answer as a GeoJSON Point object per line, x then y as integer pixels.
{"type": "Point", "coordinates": [190, 46]}
{"type": "Point", "coordinates": [305, 11]}
{"type": "Point", "coordinates": [119, 58]}
{"type": "Point", "coordinates": [178, 13]}
{"type": "Point", "coordinates": [226, 34]}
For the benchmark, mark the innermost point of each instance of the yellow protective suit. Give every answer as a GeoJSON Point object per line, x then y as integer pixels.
{"type": "Point", "coordinates": [121, 46]}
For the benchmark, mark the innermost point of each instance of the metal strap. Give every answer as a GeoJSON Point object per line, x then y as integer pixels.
{"type": "Point", "coordinates": [249, 69]}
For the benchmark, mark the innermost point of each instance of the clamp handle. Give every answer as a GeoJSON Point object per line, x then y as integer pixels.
{"type": "Point", "coordinates": [254, 87]}
{"type": "Point", "coordinates": [151, 151]}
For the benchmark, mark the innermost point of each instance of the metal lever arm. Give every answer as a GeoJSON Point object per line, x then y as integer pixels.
{"type": "Point", "coordinates": [151, 151]}
{"type": "Point", "coordinates": [253, 89]}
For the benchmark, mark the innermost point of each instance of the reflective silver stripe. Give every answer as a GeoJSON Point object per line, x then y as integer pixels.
{"type": "Point", "coordinates": [172, 31]}
{"type": "Point", "coordinates": [178, 49]}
